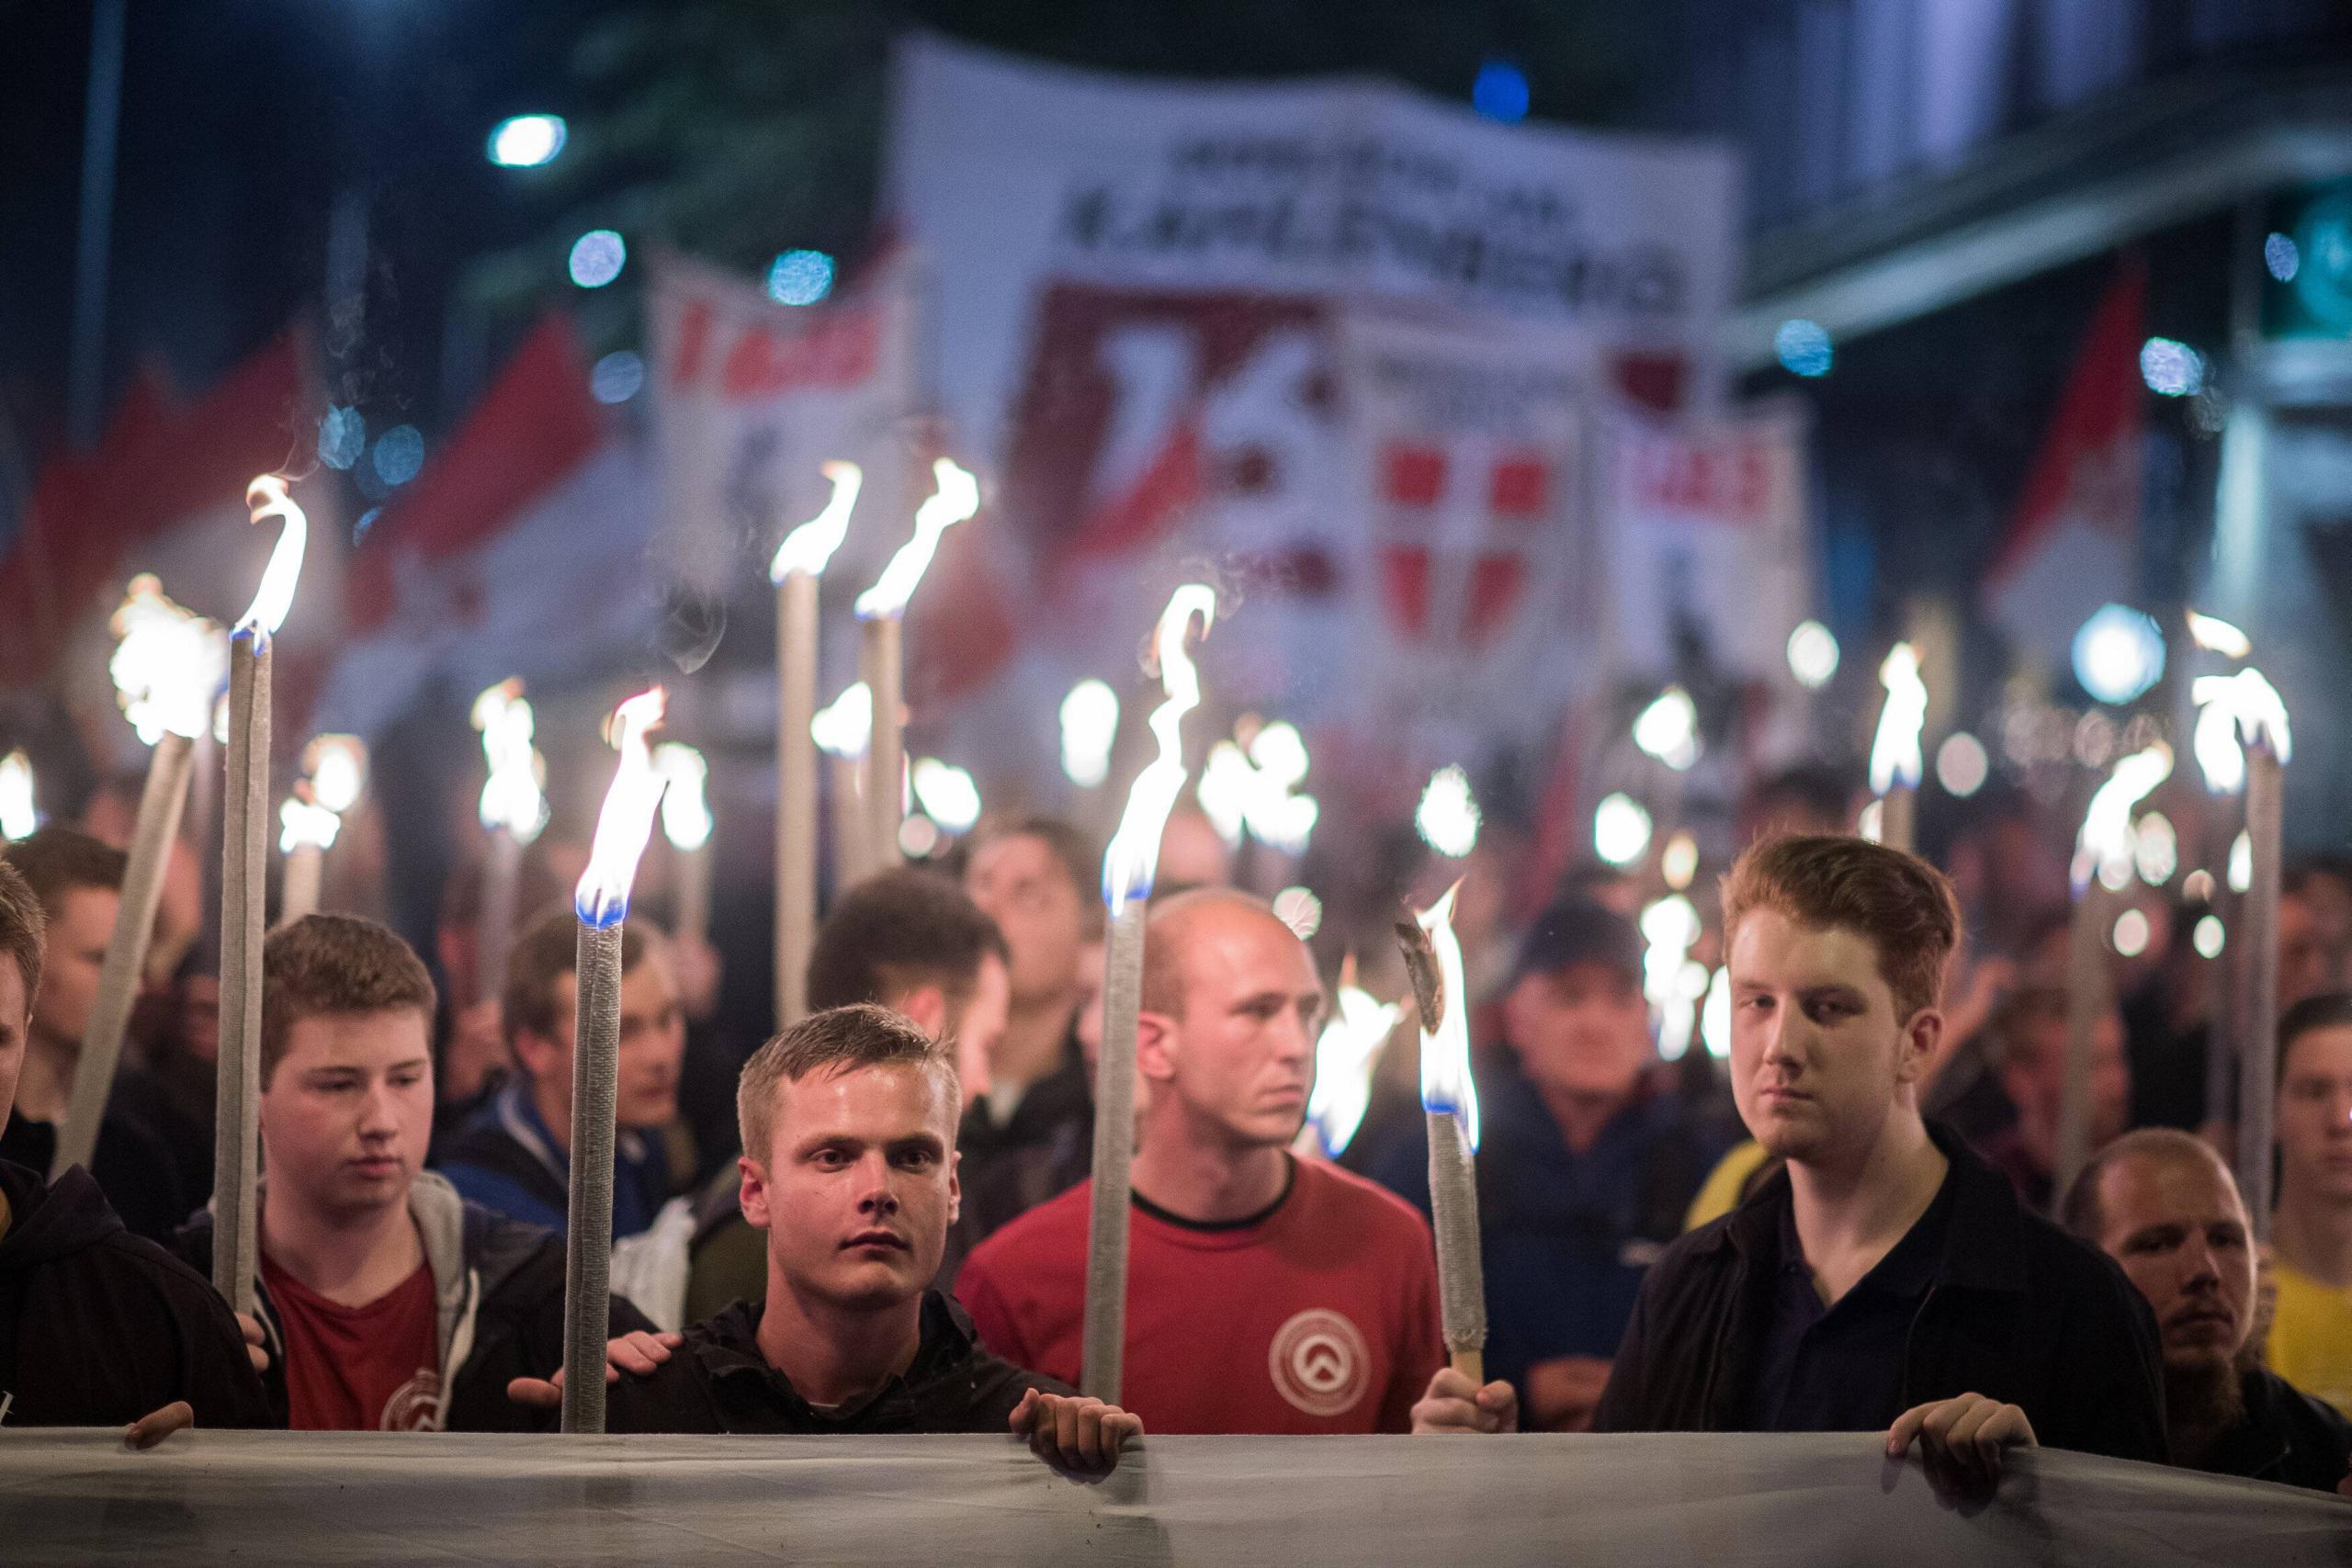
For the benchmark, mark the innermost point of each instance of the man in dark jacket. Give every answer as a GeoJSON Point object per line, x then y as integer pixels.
{"type": "Point", "coordinates": [849, 1166]}
{"type": "Point", "coordinates": [97, 1326]}
{"type": "Point", "coordinates": [2167, 1209]}
{"type": "Point", "coordinates": [1888, 1279]}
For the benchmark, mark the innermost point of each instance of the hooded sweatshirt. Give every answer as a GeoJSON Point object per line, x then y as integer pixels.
{"type": "Point", "coordinates": [99, 1327]}
{"type": "Point", "coordinates": [498, 1294]}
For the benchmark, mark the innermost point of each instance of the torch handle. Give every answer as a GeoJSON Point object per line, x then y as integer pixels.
{"type": "Point", "coordinates": [1104, 1345]}
{"type": "Point", "coordinates": [882, 659]}
{"type": "Point", "coordinates": [501, 880]}
{"type": "Point", "coordinates": [1453, 1207]}
{"type": "Point", "coordinates": [299, 893]}
{"type": "Point", "coordinates": [1471, 1364]}
{"type": "Point", "coordinates": [2258, 930]}
{"type": "Point", "coordinates": [588, 1221]}
{"type": "Point", "coordinates": [2087, 997]}
{"type": "Point", "coordinates": [160, 806]}
{"type": "Point", "coordinates": [795, 795]}
{"type": "Point", "coordinates": [245, 870]}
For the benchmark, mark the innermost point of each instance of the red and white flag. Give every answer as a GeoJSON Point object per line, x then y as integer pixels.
{"type": "Point", "coordinates": [2073, 544]}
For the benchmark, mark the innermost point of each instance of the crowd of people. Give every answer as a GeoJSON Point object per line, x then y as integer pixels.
{"type": "Point", "coordinates": [1853, 1224]}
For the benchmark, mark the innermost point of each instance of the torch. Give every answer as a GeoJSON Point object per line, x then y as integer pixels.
{"type": "Point", "coordinates": [1250, 788]}
{"type": "Point", "coordinates": [842, 730]}
{"type": "Point", "coordinates": [881, 610]}
{"type": "Point", "coordinates": [244, 885]}
{"type": "Point", "coordinates": [685, 822]}
{"type": "Point", "coordinates": [1090, 723]}
{"type": "Point", "coordinates": [309, 819]}
{"type": "Point", "coordinates": [2102, 861]}
{"type": "Point", "coordinates": [601, 901]}
{"type": "Point", "coordinates": [1129, 864]}
{"type": "Point", "coordinates": [1895, 763]}
{"type": "Point", "coordinates": [513, 811]}
{"type": "Point", "coordinates": [799, 561]}
{"type": "Point", "coordinates": [1345, 1055]}
{"type": "Point", "coordinates": [1449, 1099]}
{"type": "Point", "coordinates": [19, 818]}
{"type": "Point", "coordinates": [167, 667]}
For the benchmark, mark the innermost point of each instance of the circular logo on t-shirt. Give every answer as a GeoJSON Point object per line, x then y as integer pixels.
{"type": "Point", "coordinates": [1319, 1362]}
{"type": "Point", "coordinates": [415, 1406]}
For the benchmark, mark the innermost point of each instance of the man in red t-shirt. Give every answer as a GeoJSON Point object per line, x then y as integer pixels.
{"type": "Point", "coordinates": [1266, 1293]}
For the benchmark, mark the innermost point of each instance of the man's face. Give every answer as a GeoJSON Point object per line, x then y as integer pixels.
{"type": "Point", "coordinates": [2178, 1227]}
{"type": "Point", "coordinates": [1583, 1029]}
{"type": "Point", "coordinates": [2315, 1113]}
{"type": "Point", "coordinates": [1240, 1059]}
{"type": "Point", "coordinates": [981, 1027]}
{"type": "Point", "coordinates": [2035, 1080]}
{"type": "Point", "coordinates": [13, 1018]}
{"type": "Point", "coordinates": [653, 1043]}
{"type": "Point", "coordinates": [2306, 964]}
{"type": "Point", "coordinates": [72, 956]}
{"type": "Point", "coordinates": [1818, 1053]}
{"type": "Point", "coordinates": [858, 1186]}
{"type": "Point", "coordinates": [347, 1112]}
{"type": "Point", "coordinates": [1027, 891]}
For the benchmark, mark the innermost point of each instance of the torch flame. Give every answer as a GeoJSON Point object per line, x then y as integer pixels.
{"type": "Point", "coordinates": [17, 818]}
{"type": "Point", "coordinates": [1090, 717]}
{"type": "Point", "coordinates": [302, 821]}
{"type": "Point", "coordinates": [266, 497]}
{"type": "Point", "coordinates": [2234, 712]}
{"type": "Point", "coordinates": [809, 548]}
{"type": "Point", "coordinates": [2218, 636]}
{"type": "Point", "coordinates": [168, 664]}
{"type": "Point", "coordinates": [1345, 1056]}
{"type": "Point", "coordinates": [957, 498]}
{"type": "Point", "coordinates": [1894, 752]}
{"type": "Point", "coordinates": [2103, 849]}
{"type": "Point", "coordinates": [625, 823]}
{"type": "Point", "coordinates": [685, 810]}
{"type": "Point", "coordinates": [844, 729]}
{"type": "Point", "coordinates": [338, 768]}
{"type": "Point", "coordinates": [1446, 1086]}
{"type": "Point", "coordinates": [1133, 858]}
{"type": "Point", "coordinates": [513, 796]}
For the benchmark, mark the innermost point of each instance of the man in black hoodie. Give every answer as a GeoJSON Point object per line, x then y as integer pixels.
{"type": "Point", "coordinates": [97, 1326]}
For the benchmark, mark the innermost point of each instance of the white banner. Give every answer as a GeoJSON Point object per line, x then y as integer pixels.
{"type": "Point", "coordinates": [311, 1498]}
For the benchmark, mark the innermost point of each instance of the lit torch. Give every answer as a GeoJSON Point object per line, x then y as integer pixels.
{"type": "Point", "coordinates": [1345, 1055]}
{"type": "Point", "coordinates": [1450, 1099]}
{"type": "Point", "coordinates": [882, 609]}
{"type": "Point", "coordinates": [310, 818]}
{"type": "Point", "coordinates": [168, 666]}
{"type": "Point", "coordinates": [686, 823]}
{"type": "Point", "coordinates": [2102, 862]}
{"type": "Point", "coordinates": [601, 901]}
{"type": "Point", "coordinates": [244, 882]}
{"type": "Point", "coordinates": [799, 561]}
{"type": "Point", "coordinates": [513, 811]}
{"type": "Point", "coordinates": [1129, 864]}
{"type": "Point", "coordinates": [842, 730]}
{"type": "Point", "coordinates": [18, 816]}
{"type": "Point", "coordinates": [1895, 762]}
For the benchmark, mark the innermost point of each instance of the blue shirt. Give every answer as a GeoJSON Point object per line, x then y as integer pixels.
{"type": "Point", "coordinates": [1566, 1238]}
{"type": "Point", "coordinates": [504, 1159]}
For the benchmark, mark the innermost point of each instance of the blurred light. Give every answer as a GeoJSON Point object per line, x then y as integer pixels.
{"type": "Point", "coordinates": [2156, 848]}
{"type": "Point", "coordinates": [1500, 92]}
{"type": "Point", "coordinates": [2197, 887]}
{"type": "Point", "coordinates": [2131, 934]}
{"type": "Point", "coordinates": [1345, 1055]}
{"type": "Point", "coordinates": [1669, 928]}
{"type": "Point", "coordinates": [365, 521]}
{"type": "Point", "coordinates": [1894, 748]}
{"type": "Point", "coordinates": [1804, 347]}
{"type": "Point", "coordinates": [2209, 937]}
{"type": "Point", "coordinates": [1714, 1016]}
{"type": "Point", "coordinates": [597, 258]}
{"type": "Point", "coordinates": [1301, 910]}
{"type": "Point", "coordinates": [2119, 653]}
{"type": "Point", "coordinates": [1448, 815]}
{"type": "Point", "coordinates": [800, 277]}
{"type": "Point", "coordinates": [343, 433]}
{"type": "Point", "coordinates": [2241, 864]}
{"type": "Point", "coordinates": [1090, 723]}
{"type": "Point", "coordinates": [304, 823]}
{"type": "Point", "coordinates": [17, 818]}
{"type": "Point", "coordinates": [1679, 860]}
{"type": "Point", "coordinates": [338, 769]}
{"type": "Point", "coordinates": [1668, 730]}
{"type": "Point", "coordinates": [844, 727]}
{"type": "Point", "coordinates": [2279, 254]}
{"type": "Point", "coordinates": [918, 836]}
{"type": "Point", "coordinates": [1813, 655]}
{"type": "Point", "coordinates": [1621, 829]}
{"type": "Point", "coordinates": [2171, 369]}
{"type": "Point", "coordinates": [685, 804]}
{"type": "Point", "coordinates": [618, 377]}
{"type": "Point", "coordinates": [399, 453]}
{"type": "Point", "coordinates": [1961, 764]}
{"type": "Point", "coordinates": [2094, 740]}
{"type": "Point", "coordinates": [527, 141]}
{"type": "Point", "coordinates": [1871, 824]}
{"type": "Point", "coordinates": [2219, 636]}
{"type": "Point", "coordinates": [948, 793]}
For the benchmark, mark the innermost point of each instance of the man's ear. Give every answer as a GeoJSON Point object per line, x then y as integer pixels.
{"type": "Point", "coordinates": [954, 1185]}
{"type": "Point", "coordinates": [538, 1056]}
{"type": "Point", "coordinates": [1155, 1046]}
{"type": "Point", "coordinates": [1922, 1048]}
{"type": "Point", "coordinates": [927, 1006]}
{"type": "Point", "coordinates": [754, 1193]}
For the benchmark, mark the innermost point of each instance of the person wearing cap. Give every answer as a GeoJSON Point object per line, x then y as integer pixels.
{"type": "Point", "coordinates": [1584, 1166]}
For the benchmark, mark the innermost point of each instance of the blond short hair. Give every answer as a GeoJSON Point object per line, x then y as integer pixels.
{"type": "Point", "coordinates": [839, 1040]}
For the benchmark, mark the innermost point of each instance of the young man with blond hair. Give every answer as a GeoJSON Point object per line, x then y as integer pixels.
{"type": "Point", "coordinates": [1887, 1279]}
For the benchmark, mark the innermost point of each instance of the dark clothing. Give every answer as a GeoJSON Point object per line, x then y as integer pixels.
{"type": "Point", "coordinates": [2286, 1435]}
{"type": "Point", "coordinates": [498, 1290]}
{"type": "Point", "coordinates": [1838, 1368]}
{"type": "Point", "coordinates": [506, 1160]}
{"type": "Point", "coordinates": [2007, 1152]}
{"type": "Point", "coordinates": [2016, 1309]}
{"type": "Point", "coordinates": [718, 1382]}
{"type": "Point", "coordinates": [99, 1327]}
{"type": "Point", "coordinates": [1566, 1237]}
{"type": "Point", "coordinates": [1041, 1150]}
{"type": "Point", "coordinates": [132, 1166]}
{"type": "Point", "coordinates": [2168, 1064]}
{"type": "Point", "coordinates": [173, 1098]}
